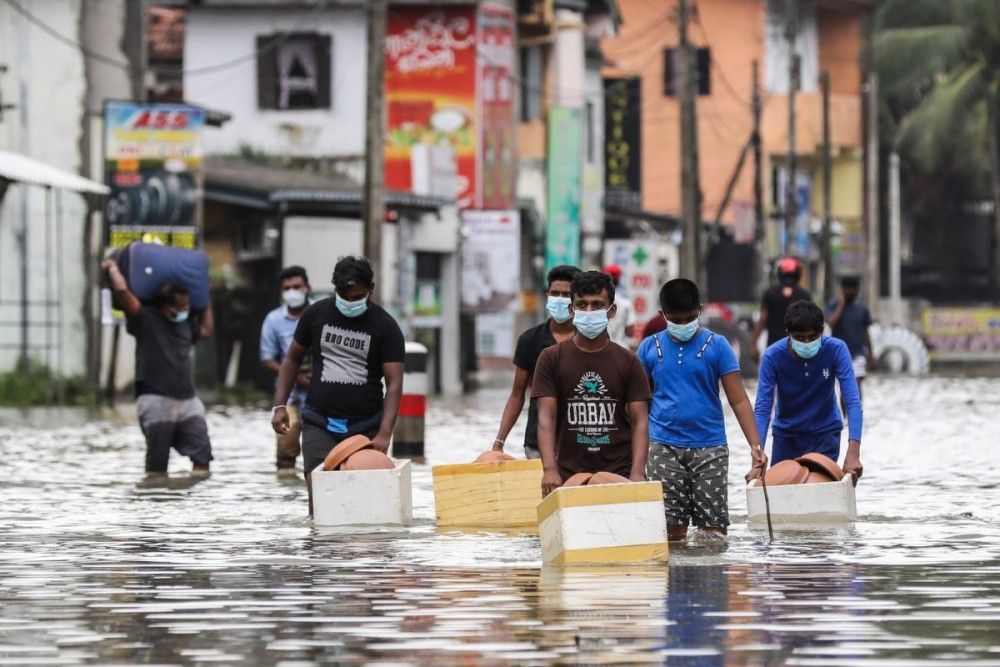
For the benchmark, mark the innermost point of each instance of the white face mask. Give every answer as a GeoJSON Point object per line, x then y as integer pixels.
{"type": "Point", "coordinates": [293, 298]}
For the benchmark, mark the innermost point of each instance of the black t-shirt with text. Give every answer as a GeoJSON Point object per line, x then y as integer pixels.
{"type": "Point", "coordinates": [529, 347]}
{"type": "Point", "coordinates": [347, 358]}
{"type": "Point", "coordinates": [163, 353]}
{"type": "Point", "coordinates": [776, 301]}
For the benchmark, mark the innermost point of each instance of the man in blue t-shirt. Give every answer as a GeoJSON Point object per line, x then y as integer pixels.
{"type": "Point", "coordinates": [802, 369]}
{"type": "Point", "coordinates": [688, 451]}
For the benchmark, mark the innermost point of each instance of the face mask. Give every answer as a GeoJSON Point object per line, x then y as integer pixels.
{"type": "Point", "coordinates": [293, 298]}
{"type": "Point", "coordinates": [683, 332]}
{"type": "Point", "coordinates": [558, 307]}
{"type": "Point", "coordinates": [181, 316]}
{"type": "Point", "coordinates": [351, 308]}
{"type": "Point", "coordinates": [806, 350]}
{"type": "Point", "coordinates": [591, 323]}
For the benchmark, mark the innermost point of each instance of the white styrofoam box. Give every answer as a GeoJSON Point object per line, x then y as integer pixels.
{"type": "Point", "coordinates": [807, 504]}
{"type": "Point", "coordinates": [362, 497]}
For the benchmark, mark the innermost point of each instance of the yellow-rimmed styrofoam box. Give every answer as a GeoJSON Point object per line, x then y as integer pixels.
{"type": "Point", "coordinates": [804, 504]}
{"type": "Point", "coordinates": [488, 495]}
{"type": "Point", "coordinates": [605, 523]}
{"type": "Point", "coordinates": [363, 497]}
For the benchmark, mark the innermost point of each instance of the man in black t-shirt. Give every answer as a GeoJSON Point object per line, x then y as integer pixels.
{"type": "Point", "coordinates": [354, 343]}
{"type": "Point", "coordinates": [775, 302]}
{"type": "Point", "coordinates": [557, 328]}
{"type": "Point", "coordinates": [170, 414]}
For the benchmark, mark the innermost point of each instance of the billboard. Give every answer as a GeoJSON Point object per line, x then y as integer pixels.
{"type": "Point", "coordinates": [491, 261]}
{"type": "Point", "coordinates": [623, 142]}
{"type": "Point", "coordinates": [496, 91]}
{"type": "Point", "coordinates": [971, 333]}
{"type": "Point", "coordinates": [565, 171]}
{"type": "Point", "coordinates": [640, 281]}
{"type": "Point", "coordinates": [153, 165]}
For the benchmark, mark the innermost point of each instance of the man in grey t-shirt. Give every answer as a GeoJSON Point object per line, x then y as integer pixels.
{"type": "Point", "coordinates": [170, 414]}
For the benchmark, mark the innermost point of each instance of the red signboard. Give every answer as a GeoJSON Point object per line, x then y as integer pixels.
{"type": "Point", "coordinates": [496, 92]}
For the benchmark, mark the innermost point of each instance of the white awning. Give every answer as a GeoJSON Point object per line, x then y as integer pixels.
{"type": "Point", "coordinates": [21, 169]}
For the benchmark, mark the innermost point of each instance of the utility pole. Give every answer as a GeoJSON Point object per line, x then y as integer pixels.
{"type": "Point", "coordinates": [791, 193]}
{"type": "Point", "coordinates": [758, 180]}
{"type": "Point", "coordinates": [23, 61]}
{"type": "Point", "coordinates": [895, 232]}
{"type": "Point", "coordinates": [872, 240]}
{"type": "Point", "coordinates": [692, 264]}
{"type": "Point", "coordinates": [373, 204]}
{"type": "Point", "coordinates": [825, 242]}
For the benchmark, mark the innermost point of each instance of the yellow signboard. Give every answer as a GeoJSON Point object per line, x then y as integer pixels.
{"type": "Point", "coordinates": [963, 332]}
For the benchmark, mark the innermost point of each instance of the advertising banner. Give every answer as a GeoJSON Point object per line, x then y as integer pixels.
{"type": "Point", "coordinates": [491, 261]}
{"type": "Point", "coordinates": [640, 279]}
{"type": "Point", "coordinates": [972, 333]}
{"type": "Point", "coordinates": [496, 92]}
{"type": "Point", "coordinates": [153, 165]}
{"type": "Point", "coordinates": [565, 167]}
{"type": "Point", "coordinates": [623, 142]}
{"type": "Point", "coordinates": [430, 96]}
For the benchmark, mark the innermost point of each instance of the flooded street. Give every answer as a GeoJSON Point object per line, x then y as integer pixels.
{"type": "Point", "coordinates": [98, 565]}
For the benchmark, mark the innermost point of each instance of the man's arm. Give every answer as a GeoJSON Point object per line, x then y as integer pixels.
{"type": "Point", "coordinates": [207, 323]}
{"type": "Point", "coordinates": [513, 407]}
{"type": "Point", "coordinates": [872, 361]}
{"type": "Point", "coordinates": [855, 419]}
{"type": "Point", "coordinates": [130, 302]}
{"type": "Point", "coordinates": [393, 373]}
{"type": "Point", "coordinates": [286, 378]}
{"type": "Point", "coordinates": [638, 414]}
{"type": "Point", "coordinates": [838, 311]}
{"type": "Point", "coordinates": [766, 385]}
{"type": "Point", "coordinates": [269, 348]}
{"type": "Point", "coordinates": [736, 394]}
{"type": "Point", "coordinates": [551, 479]}
{"type": "Point", "coordinates": [758, 329]}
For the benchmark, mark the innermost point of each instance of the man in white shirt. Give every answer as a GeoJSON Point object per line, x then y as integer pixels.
{"type": "Point", "coordinates": [621, 328]}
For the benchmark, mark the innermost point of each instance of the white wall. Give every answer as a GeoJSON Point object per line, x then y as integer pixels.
{"type": "Point", "coordinates": [218, 36]}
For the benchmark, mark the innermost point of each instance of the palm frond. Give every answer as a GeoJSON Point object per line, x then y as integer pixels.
{"type": "Point", "coordinates": [909, 59]}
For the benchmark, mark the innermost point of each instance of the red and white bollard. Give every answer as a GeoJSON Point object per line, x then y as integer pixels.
{"type": "Point", "coordinates": [408, 436]}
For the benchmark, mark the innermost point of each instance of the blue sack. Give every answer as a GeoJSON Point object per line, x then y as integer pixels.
{"type": "Point", "coordinates": [146, 266]}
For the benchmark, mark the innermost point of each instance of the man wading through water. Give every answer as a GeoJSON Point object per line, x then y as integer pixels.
{"type": "Point", "coordinates": [354, 344]}
{"type": "Point", "coordinates": [592, 395]}
{"type": "Point", "coordinates": [170, 414]}
{"type": "Point", "coordinates": [530, 345]}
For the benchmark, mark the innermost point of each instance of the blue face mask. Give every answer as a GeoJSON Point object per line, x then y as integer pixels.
{"type": "Point", "coordinates": [351, 308]}
{"type": "Point", "coordinates": [558, 307]}
{"type": "Point", "coordinates": [807, 350]}
{"type": "Point", "coordinates": [591, 323]}
{"type": "Point", "coordinates": [181, 316]}
{"type": "Point", "coordinates": [683, 332]}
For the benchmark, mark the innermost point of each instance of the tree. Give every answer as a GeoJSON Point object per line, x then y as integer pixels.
{"type": "Point", "coordinates": [939, 67]}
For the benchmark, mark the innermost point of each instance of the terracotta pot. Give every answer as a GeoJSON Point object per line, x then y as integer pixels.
{"type": "Point", "coordinates": [368, 459]}
{"type": "Point", "coordinates": [342, 451]}
{"type": "Point", "coordinates": [817, 462]}
{"type": "Point", "coordinates": [607, 478]}
{"type": "Point", "coordinates": [493, 457]}
{"type": "Point", "coordinates": [818, 478]}
{"type": "Point", "coordinates": [786, 472]}
{"type": "Point", "coordinates": [579, 479]}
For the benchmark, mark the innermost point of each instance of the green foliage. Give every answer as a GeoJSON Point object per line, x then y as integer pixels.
{"type": "Point", "coordinates": [34, 384]}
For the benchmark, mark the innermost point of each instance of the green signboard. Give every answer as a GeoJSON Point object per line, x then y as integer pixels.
{"type": "Point", "coordinates": [565, 168]}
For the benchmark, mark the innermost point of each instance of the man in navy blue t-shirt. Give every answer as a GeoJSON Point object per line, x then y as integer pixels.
{"type": "Point", "coordinates": [688, 451]}
{"type": "Point", "coordinates": [801, 370]}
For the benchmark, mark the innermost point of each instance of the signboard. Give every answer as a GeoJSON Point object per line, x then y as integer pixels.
{"type": "Point", "coordinates": [972, 333]}
{"type": "Point", "coordinates": [496, 90]}
{"type": "Point", "coordinates": [430, 94]}
{"type": "Point", "coordinates": [800, 244]}
{"type": "Point", "coordinates": [623, 142]}
{"type": "Point", "coordinates": [640, 279]}
{"type": "Point", "coordinates": [565, 145]}
{"type": "Point", "coordinates": [153, 165]}
{"type": "Point", "coordinates": [491, 261]}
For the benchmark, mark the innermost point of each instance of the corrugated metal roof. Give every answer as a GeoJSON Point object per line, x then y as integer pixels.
{"type": "Point", "coordinates": [22, 169]}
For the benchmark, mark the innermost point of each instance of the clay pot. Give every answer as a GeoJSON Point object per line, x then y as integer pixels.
{"type": "Point", "coordinates": [607, 478]}
{"type": "Point", "coordinates": [493, 457]}
{"type": "Point", "coordinates": [818, 478]}
{"type": "Point", "coordinates": [817, 462]}
{"type": "Point", "coordinates": [368, 459]}
{"type": "Point", "coordinates": [342, 451]}
{"type": "Point", "coordinates": [579, 479]}
{"type": "Point", "coordinates": [786, 472]}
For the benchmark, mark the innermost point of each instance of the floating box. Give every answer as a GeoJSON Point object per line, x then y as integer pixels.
{"type": "Point", "coordinates": [362, 497]}
{"type": "Point", "coordinates": [488, 495]}
{"type": "Point", "coordinates": [807, 504]}
{"type": "Point", "coordinates": [608, 523]}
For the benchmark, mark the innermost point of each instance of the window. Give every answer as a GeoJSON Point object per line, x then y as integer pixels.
{"type": "Point", "coordinates": [293, 71]}
{"type": "Point", "coordinates": [776, 46]}
{"type": "Point", "coordinates": [531, 83]}
{"type": "Point", "coordinates": [670, 78]}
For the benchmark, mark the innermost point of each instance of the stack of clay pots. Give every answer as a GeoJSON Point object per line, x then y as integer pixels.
{"type": "Point", "coordinates": [356, 453]}
{"type": "Point", "coordinates": [812, 468]}
{"type": "Point", "coordinates": [594, 478]}
{"type": "Point", "coordinates": [493, 457]}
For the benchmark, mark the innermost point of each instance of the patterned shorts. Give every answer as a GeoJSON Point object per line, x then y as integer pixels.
{"type": "Point", "coordinates": [695, 483]}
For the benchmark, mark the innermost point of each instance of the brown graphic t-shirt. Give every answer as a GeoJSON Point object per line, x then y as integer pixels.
{"type": "Point", "coordinates": [592, 392]}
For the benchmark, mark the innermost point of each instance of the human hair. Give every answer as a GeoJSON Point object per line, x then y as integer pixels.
{"type": "Point", "coordinates": [803, 317]}
{"type": "Point", "coordinates": [565, 272]}
{"type": "Point", "coordinates": [679, 295]}
{"type": "Point", "coordinates": [294, 271]}
{"type": "Point", "coordinates": [849, 282]}
{"type": "Point", "coordinates": [167, 293]}
{"type": "Point", "coordinates": [588, 283]}
{"type": "Point", "coordinates": [351, 271]}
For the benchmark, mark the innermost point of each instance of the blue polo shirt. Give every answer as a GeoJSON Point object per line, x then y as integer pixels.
{"type": "Point", "coordinates": [686, 410]}
{"type": "Point", "coordinates": [806, 399]}
{"type": "Point", "coordinates": [276, 335]}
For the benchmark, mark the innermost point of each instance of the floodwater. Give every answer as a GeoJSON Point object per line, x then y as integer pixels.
{"type": "Point", "coordinates": [99, 566]}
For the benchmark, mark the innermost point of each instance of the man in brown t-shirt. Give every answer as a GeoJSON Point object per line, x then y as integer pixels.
{"type": "Point", "coordinates": [592, 395]}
